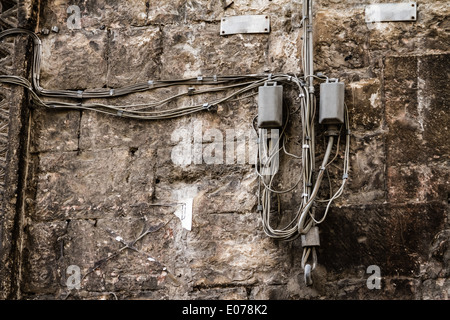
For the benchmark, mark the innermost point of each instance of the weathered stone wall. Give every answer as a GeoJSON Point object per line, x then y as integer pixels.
{"type": "Point", "coordinates": [14, 130]}
{"type": "Point", "coordinates": [91, 178]}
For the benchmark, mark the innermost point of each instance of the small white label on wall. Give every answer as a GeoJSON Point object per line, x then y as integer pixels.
{"type": "Point", "coordinates": [245, 24]}
{"type": "Point", "coordinates": [184, 213]}
{"type": "Point", "coordinates": [185, 198]}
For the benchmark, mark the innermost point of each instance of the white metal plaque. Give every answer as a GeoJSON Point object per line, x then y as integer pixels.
{"type": "Point", "coordinates": [245, 24]}
{"type": "Point", "coordinates": [379, 12]}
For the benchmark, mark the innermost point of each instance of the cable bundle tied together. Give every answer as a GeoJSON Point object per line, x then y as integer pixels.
{"type": "Point", "coordinates": [303, 219]}
{"type": "Point", "coordinates": [238, 84]}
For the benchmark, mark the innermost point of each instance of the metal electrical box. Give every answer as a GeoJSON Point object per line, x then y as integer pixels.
{"type": "Point", "coordinates": [270, 105]}
{"type": "Point", "coordinates": [331, 103]}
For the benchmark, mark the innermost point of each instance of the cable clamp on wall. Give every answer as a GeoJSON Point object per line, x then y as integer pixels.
{"type": "Point", "coordinates": [200, 78]}
{"type": "Point", "coordinates": [345, 176]}
{"type": "Point", "coordinates": [331, 132]}
{"type": "Point", "coordinates": [80, 94]}
{"type": "Point", "coordinates": [305, 146]}
{"type": "Point", "coordinates": [190, 91]}
{"type": "Point", "coordinates": [111, 92]}
{"type": "Point", "coordinates": [120, 113]}
{"type": "Point", "coordinates": [150, 83]}
{"type": "Point", "coordinates": [311, 238]}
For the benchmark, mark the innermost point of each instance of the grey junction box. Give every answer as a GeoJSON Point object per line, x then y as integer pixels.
{"type": "Point", "coordinates": [270, 105]}
{"type": "Point", "coordinates": [331, 103]}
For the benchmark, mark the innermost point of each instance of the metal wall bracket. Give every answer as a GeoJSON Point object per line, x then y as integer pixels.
{"type": "Point", "coordinates": [311, 238]}
{"type": "Point", "coordinates": [391, 12]}
{"type": "Point", "coordinates": [245, 24]}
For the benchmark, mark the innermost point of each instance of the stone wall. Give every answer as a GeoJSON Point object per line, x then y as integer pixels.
{"type": "Point", "coordinates": [14, 124]}
{"type": "Point", "coordinates": [86, 180]}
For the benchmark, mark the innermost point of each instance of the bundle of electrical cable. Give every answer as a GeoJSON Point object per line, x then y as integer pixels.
{"type": "Point", "coordinates": [234, 85]}
{"type": "Point", "coordinates": [304, 217]}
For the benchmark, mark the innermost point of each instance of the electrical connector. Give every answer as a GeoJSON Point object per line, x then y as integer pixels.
{"type": "Point", "coordinates": [331, 103]}
{"type": "Point", "coordinates": [270, 106]}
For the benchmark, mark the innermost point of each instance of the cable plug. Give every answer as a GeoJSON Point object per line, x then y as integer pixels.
{"type": "Point", "coordinates": [332, 130]}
